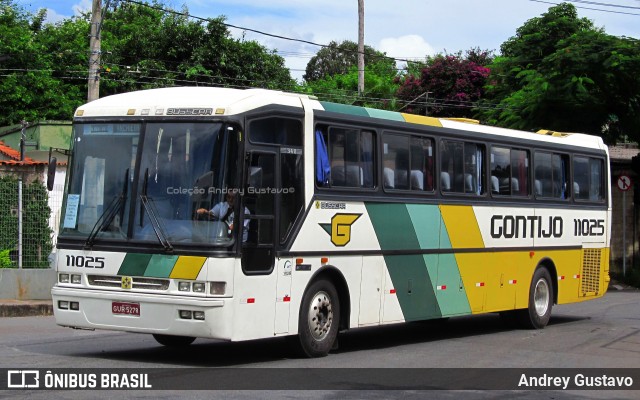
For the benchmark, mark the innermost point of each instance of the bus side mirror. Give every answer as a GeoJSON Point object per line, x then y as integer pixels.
{"type": "Point", "coordinates": [51, 173]}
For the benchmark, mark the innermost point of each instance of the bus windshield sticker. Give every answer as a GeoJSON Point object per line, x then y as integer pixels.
{"type": "Point", "coordinates": [71, 213]}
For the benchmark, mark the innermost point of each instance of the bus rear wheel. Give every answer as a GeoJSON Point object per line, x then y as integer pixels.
{"type": "Point", "coordinates": [537, 315]}
{"type": "Point", "coordinates": [173, 341]}
{"type": "Point", "coordinates": [319, 319]}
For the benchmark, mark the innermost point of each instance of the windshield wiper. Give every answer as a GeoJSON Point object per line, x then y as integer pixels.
{"type": "Point", "coordinates": [150, 209]}
{"type": "Point", "coordinates": [110, 212]}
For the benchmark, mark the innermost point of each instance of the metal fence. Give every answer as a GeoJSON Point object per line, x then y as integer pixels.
{"type": "Point", "coordinates": [26, 221]}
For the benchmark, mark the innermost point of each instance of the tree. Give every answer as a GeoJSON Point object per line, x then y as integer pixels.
{"type": "Point", "coordinates": [453, 82]}
{"type": "Point", "coordinates": [561, 73]}
{"type": "Point", "coordinates": [332, 74]}
{"type": "Point", "coordinates": [29, 89]}
{"type": "Point", "coordinates": [338, 59]}
{"type": "Point", "coordinates": [380, 87]}
{"type": "Point", "coordinates": [44, 66]}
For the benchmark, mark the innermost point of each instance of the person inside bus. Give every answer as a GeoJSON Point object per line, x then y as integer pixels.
{"type": "Point", "coordinates": [223, 211]}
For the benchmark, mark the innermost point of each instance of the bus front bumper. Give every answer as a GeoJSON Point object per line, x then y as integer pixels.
{"type": "Point", "coordinates": [142, 312]}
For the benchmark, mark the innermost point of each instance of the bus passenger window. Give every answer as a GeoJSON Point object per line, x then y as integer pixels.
{"type": "Point", "coordinates": [351, 157]}
{"type": "Point", "coordinates": [463, 167]}
{"type": "Point", "coordinates": [552, 175]}
{"type": "Point", "coordinates": [587, 179]}
{"type": "Point", "coordinates": [509, 172]}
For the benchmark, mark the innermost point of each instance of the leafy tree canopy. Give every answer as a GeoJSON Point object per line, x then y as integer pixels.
{"type": "Point", "coordinates": [336, 59]}
{"type": "Point", "coordinates": [448, 85]}
{"type": "Point", "coordinates": [45, 66]}
{"type": "Point", "coordinates": [561, 73]}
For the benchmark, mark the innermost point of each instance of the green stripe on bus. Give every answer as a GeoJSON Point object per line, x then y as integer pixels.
{"type": "Point", "coordinates": [160, 266]}
{"type": "Point", "coordinates": [409, 273]}
{"type": "Point", "coordinates": [344, 109]}
{"type": "Point", "coordinates": [134, 264]}
{"type": "Point", "coordinates": [426, 221]}
{"type": "Point", "coordinates": [384, 114]}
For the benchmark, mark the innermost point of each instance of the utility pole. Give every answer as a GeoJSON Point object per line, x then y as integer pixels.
{"type": "Point", "coordinates": [360, 47]}
{"type": "Point", "coordinates": [93, 92]}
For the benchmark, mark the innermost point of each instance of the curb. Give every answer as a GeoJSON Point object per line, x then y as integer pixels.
{"type": "Point", "coordinates": [28, 308]}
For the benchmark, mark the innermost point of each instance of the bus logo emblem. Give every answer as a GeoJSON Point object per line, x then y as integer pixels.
{"type": "Point", "coordinates": [340, 228]}
{"type": "Point", "coordinates": [126, 283]}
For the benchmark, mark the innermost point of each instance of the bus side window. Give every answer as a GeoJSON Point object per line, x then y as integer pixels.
{"type": "Point", "coordinates": [351, 158]}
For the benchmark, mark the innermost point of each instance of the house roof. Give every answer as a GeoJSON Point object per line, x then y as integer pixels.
{"type": "Point", "coordinates": [9, 156]}
{"type": "Point", "coordinates": [623, 152]}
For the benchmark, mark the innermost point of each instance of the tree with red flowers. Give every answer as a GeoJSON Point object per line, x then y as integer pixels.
{"type": "Point", "coordinates": [449, 85]}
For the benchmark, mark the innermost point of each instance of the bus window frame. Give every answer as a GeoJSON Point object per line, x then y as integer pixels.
{"type": "Point", "coordinates": [603, 179]}
{"type": "Point", "coordinates": [486, 164]}
{"type": "Point", "coordinates": [325, 126]}
{"type": "Point", "coordinates": [530, 175]}
{"type": "Point", "coordinates": [408, 192]}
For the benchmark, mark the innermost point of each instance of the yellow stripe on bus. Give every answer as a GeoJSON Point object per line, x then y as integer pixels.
{"type": "Point", "coordinates": [187, 267]}
{"type": "Point", "coordinates": [462, 226]}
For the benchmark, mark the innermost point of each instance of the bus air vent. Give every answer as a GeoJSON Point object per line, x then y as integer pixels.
{"type": "Point", "coordinates": [591, 259]}
{"type": "Point", "coordinates": [138, 282]}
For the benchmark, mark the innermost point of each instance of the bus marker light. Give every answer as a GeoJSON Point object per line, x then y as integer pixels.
{"type": "Point", "coordinates": [199, 315]}
{"type": "Point", "coordinates": [531, 254]}
{"type": "Point", "coordinates": [131, 111]}
{"type": "Point", "coordinates": [286, 298]}
{"type": "Point", "coordinates": [392, 291]}
{"type": "Point", "coordinates": [218, 288]}
{"type": "Point", "coordinates": [442, 287]}
{"type": "Point", "coordinates": [251, 300]}
{"type": "Point", "coordinates": [479, 284]}
{"type": "Point", "coordinates": [512, 281]}
{"type": "Point", "coordinates": [324, 260]}
{"type": "Point", "coordinates": [576, 276]}
{"type": "Point", "coordinates": [561, 278]}
{"type": "Point", "coordinates": [299, 261]}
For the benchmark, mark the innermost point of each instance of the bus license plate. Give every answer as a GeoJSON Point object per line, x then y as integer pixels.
{"type": "Point", "coordinates": [121, 308]}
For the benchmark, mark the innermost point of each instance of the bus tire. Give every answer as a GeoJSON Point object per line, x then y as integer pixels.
{"type": "Point", "coordinates": [173, 341]}
{"type": "Point", "coordinates": [319, 319]}
{"type": "Point", "coordinates": [537, 315]}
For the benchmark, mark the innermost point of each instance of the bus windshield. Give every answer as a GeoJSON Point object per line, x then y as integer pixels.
{"type": "Point", "coordinates": [120, 192]}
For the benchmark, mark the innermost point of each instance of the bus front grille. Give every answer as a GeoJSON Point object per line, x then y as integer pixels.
{"type": "Point", "coordinates": [137, 282]}
{"type": "Point", "coordinates": [591, 260]}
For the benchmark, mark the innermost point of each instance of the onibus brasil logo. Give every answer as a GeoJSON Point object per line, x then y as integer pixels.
{"type": "Point", "coordinates": [340, 228]}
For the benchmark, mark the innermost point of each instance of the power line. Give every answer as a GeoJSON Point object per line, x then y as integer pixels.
{"type": "Point", "coordinates": [586, 8]}
{"type": "Point", "coordinates": [228, 25]}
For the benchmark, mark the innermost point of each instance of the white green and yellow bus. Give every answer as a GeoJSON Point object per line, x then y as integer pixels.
{"type": "Point", "coordinates": [346, 217]}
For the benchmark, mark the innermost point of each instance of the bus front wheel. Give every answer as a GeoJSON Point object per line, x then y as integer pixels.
{"type": "Point", "coordinates": [319, 319]}
{"type": "Point", "coordinates": [173, 341]}
{"type": "Point", "coordinates": [537, 315]}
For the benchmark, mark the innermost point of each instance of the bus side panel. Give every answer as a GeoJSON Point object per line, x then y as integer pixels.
{"type": "Point", "coordinates": [254, 299]}
{"type": "Point", "coordinates": [464, 234]}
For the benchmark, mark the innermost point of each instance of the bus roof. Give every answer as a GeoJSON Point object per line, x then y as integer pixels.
{"type": "Point", "coordinates": [200, 101]}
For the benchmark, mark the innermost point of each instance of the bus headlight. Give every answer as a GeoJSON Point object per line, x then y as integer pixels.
{"type": "Point", "coordinates": [198, 287]}
{"type": "Point", "coordinates": [76, 279]}
{"type": "Point", "coordinates": [184, 286]}
{"type": "Point", "coordinates": [63, 278]}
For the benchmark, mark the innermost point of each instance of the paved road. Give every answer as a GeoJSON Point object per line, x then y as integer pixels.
{"type": "Point", "coordinates": [604, 333]}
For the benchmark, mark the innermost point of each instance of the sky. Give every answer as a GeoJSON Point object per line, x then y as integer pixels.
{"type": "Point", "coordinates": [405, 29]}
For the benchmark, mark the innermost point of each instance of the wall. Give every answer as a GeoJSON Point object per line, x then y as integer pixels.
{"type": "Point", "coordinates": [26, 284]}
{"type": "Point", "coordinates": [624, 225]}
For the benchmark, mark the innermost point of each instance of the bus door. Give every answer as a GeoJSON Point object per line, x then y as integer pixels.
{"type": "Point", "coordinates": [274, 196]}
{"type": "Point", "coordinates": [259, 203]}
